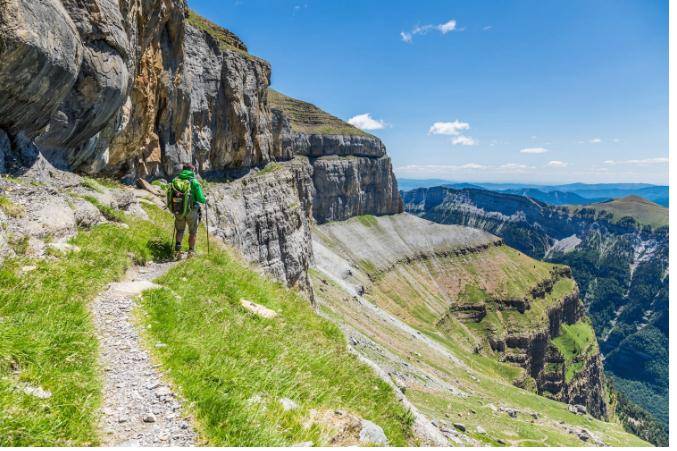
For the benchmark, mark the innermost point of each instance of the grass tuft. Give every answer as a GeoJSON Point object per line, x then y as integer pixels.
{"type": "Point", "coordinates": [10, 208]}
{"type": "Point", "coordinates": [110, 213]}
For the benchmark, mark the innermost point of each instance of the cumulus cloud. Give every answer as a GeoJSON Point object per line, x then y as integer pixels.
{"type": "Point", "coordinates": [487, 28]}
{"type": "Point", "coordinates": [534, 150]}
{"type": "Point", "coordinates": [444, 28]}
{"type": "Point", "coordinates": [448, 128]}
{"type": "Point", "coordinates": [463, 141]}
{"type": "Point", "coordinates": [366, 122]}
{"type": "Point", "coordinates": [557, 164]}
{"type": "Point", "coordinates": [645, 161]}
{"type": "Point", "coordinates": [447, 26]}
{"type": "Point", "coordinates": [453, 129]}
{"type": "Point", "coordinates": [595, 140]}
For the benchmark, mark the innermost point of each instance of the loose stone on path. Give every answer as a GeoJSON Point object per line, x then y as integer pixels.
{"type": "Point", "coordinates": [139, 408]}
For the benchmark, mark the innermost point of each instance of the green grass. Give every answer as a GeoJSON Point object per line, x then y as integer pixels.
{"type": "Point", "coordinates": [47, 337]}
{"type": "Point", "coordinates": [367, 220]}
{"type": "Point", "coordinates": [108, 212]}
{"type": "Point", "coordinates": [221, 356]}
{"type": "Point", "coordinates": [226, 39]}
{"type": "Point", "coordinates": [575, 339]}
{"type": "Point", "coordinates": [643, 211]}
{"type": "Point", "coordinates": [10, 208]}
{"type": "Point", "coordinates": [270, 168]}
{"type": "Point", "coordinates": [307, 118]}
{"type": "Point", "coordinates": [472, 294]}
{"type": "Point", "coordinates": [575, 343]}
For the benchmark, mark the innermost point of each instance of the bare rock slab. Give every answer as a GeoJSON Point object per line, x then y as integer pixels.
{"type": "Point", "coordinates": [257, 309]}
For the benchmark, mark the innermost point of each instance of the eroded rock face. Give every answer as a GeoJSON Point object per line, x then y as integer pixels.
{"type": "Point", "coordinates": [231, 123]}
{"type": "Point", "coordinates": [102, 80]}
{"type": "Point", "coordinates": [263, 215]}
{"type": "Point", "coordinates": [37, 69]}
{"type": "Point", "coordinates": [137, 88]}
{"type": "Point", "coordinates": [352, 186]}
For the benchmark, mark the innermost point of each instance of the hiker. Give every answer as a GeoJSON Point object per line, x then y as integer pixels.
{"type": "Point", "coordinates": [184, 197]}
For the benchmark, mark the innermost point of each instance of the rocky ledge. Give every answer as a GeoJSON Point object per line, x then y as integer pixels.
{"type": "Point", "coordinates": [136, 89]}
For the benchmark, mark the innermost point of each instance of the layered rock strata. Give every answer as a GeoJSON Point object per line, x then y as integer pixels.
{"type": "Point", "coordinates": [137, 88]}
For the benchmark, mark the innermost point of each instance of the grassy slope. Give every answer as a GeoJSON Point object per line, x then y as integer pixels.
{"type": "Point", "coordinates": [642, 210]}
{"type": "Point", "coordinates": [575, 342]}
{"type": "Point", "coordinates": [221, 357]}
{"type": "Point", "coordinates": [47, 338]}
{"type": "Point", "coordinates": [218, 354]}
{"type": "Point", "coordinates": [419, 293]}
{"type": "Point", "coordinates": [307, 118]}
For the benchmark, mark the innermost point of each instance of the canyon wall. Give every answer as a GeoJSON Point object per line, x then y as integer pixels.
{"type": "Point", "coordinates": [134, 89]}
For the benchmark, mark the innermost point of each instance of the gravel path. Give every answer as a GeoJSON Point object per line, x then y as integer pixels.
{"type": "Point", "coordinates": [139, 408]}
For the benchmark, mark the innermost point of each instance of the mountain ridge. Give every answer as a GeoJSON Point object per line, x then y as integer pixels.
{"type": "Point", "coordinates": [619, 263]}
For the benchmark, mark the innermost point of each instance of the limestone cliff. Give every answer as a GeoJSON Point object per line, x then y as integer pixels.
{"type": "Point", "coordinates": [136, 88]}
{"type": "Point", "coordinates": [352, 174]}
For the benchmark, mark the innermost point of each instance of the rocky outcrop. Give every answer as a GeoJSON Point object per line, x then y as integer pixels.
{"type": "Point", "coordinates": [586, 387]}
{"type": "Point", "coordinates": [352, 174]}
{"type": "Point", "coordinates": [137, 88]}
{"type": "Point", "coordinates": [266, 216]}
{"type": "Point", "coordinates": [532, 348]}
{"type": "Point", "coordinates": [353, 186]}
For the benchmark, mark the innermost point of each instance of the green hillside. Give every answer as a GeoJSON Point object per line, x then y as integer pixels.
{"type": "Point", "coordinates": [421, 320]}
{"type": "Point", "coordinates": [307, 118]}
{"type": "Point", "coordinates": [218, 355]}
{"type": "Point", "coordinates": [641, 210]}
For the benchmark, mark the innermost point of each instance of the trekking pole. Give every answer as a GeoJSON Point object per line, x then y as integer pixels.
{"type": "Point", "coordinates": [207, 225]}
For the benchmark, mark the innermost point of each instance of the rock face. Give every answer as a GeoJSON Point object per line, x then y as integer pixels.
{"type": "Point", "coordinates": [352, 174]}
{"type": "Point", "coordinates": [619, 263]}
{"type": "Point", "coordinates": [138, 88]}
{"type": "Point", "coordinates": [266, 215]}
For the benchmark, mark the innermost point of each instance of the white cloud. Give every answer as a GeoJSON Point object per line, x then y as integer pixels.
{"type": "Point", "coordinates": [557, 164]}
{"type": "Point", "coordinates": [516, 166]}
{"type": "Point", "coordinates": [472, 166]}
{"type": "Point", "coordinates": [366, 122]}
{"type": "Point", "coordinates": [595, 140]}
{"type": "Point", "coordinates": [449, 170]}
{"type": "Point", "coordinates": [534, 150]}
{"type": "Point", "coordinates": [464, 140]}
{"type": "Point", "coordinates": [447, 26]}
{"type": "Point", "coordinates": [487, 28]}
{"type": "Point", "coordinates": [645, 161]}
{"type": "Point", "coordinates": [448, 128]}
{"type": "Point", "coordinates": [453, 129]}
{"type": "Point", "coordinates": [444, 28]}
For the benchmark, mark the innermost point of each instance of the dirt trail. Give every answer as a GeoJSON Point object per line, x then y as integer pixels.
{"type": "Point", "coordinates": [139, 408]}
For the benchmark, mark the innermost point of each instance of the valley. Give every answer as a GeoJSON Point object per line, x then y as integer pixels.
{"type": "Point", "coordinates": [618, 254]}
{"type": "Point", "coordinates": [322, 314]}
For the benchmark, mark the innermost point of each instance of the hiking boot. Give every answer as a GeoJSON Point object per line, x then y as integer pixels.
{"type": "Point", "coordinates": [191, 253]}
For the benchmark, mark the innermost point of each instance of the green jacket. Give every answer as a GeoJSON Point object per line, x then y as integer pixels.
{"type": "Point", "coordinates": [196, 188]}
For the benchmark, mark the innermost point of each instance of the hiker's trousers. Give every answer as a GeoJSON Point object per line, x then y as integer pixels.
{"type": "Point", "coordinates": [192, 219]}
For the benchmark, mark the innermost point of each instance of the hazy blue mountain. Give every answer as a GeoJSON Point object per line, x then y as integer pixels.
{"type": "Point", "coordinates": [556, 197]}
{"type": "Point", "coordinates": [587, 192]}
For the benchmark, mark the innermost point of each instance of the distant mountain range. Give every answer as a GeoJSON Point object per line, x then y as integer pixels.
{"type": "Point", "coordinates": [568, 194]}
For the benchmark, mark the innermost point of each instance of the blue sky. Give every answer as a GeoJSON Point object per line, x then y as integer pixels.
{"type": "Point", "coordinates": [538, 91]}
